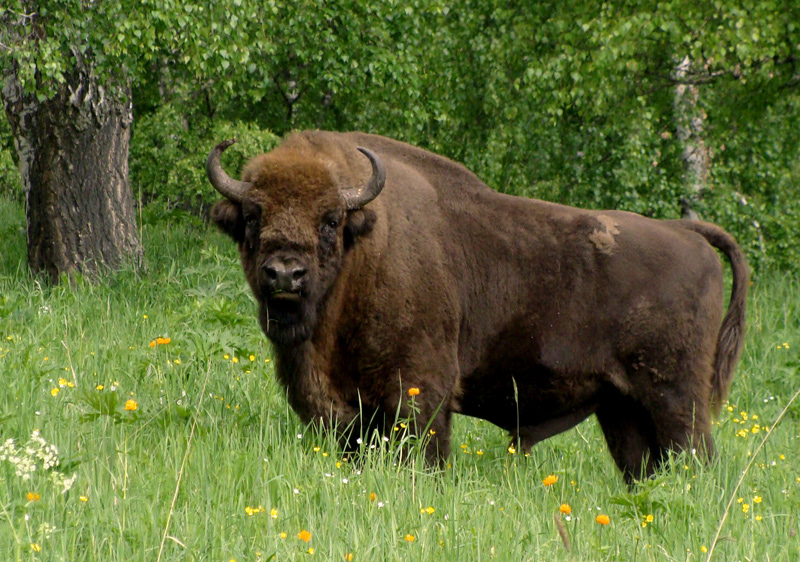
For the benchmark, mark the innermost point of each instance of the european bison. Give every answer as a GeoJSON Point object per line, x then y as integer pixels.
{"type": "Point", "coordinates": [380, 267]}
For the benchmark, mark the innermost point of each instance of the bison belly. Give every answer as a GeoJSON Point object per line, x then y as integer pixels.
{"type": "Point", "coordinates": [532, 403]}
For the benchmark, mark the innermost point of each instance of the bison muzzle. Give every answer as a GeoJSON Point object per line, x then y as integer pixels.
{"type": "Point", "coordinates": [380, 267]}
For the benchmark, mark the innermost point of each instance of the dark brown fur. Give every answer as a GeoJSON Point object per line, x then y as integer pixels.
{"type": "Point", "coordinates": [525, 313]}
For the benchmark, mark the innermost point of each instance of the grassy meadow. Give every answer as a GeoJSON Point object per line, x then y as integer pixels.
{"type": "Point", "coordinates": [147, 425]}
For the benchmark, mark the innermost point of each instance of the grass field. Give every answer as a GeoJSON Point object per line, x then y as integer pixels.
{"type": "Point", "coordinates": [147, 425]}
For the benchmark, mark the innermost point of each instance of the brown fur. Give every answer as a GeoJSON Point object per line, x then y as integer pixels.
{"type": "Point", "coordinates": [525, 313]}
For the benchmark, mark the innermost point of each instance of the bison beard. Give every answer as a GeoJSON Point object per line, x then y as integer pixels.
{"type": "Point", "coordinates": [286, 321]}
{"type": "Point", "coordinates": [528, 314]}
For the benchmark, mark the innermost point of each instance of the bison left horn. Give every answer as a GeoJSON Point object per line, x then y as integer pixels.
{"type": "Point", "coordinates": [357, 197]}
{"type": "Point", "coordinates": [230, 188]}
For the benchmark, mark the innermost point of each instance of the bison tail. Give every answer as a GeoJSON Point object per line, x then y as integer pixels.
{"type": "Point", "coordinates": [731, 333]}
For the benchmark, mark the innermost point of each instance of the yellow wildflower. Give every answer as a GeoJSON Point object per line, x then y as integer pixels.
{"type": "Point", "coordinates": [550, 480]}
{"type": "Point", "coordinates": [409, 538]}
{"type": "Point", "coordinates": [273, 513]}
{"type": "Point", "coordinates": [413, 391]}
{"type": "Point", "coordinates": [304, 535]}
{"type": "Point", "coordinates": [603, 519]}
{"type": "Point", "coordinates": [33, 497]}
{"type": "Point", "coordinates": [565, 509]}
{"type": "Point", "coordinates": [131, 405]}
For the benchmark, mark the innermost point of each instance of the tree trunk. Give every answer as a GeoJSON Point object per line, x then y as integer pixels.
{"type": "Point", "coordinates": [690, 125]}
{"type": "Point", "coordinates": [73, 159]}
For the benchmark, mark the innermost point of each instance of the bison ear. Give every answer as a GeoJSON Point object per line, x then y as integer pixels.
{"type": "Point", "coordinates": [359, 223]}
{"type": "Point", "coordinates": [228, 217]}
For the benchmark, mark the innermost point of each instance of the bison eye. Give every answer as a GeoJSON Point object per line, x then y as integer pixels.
{"type": "Point", "coordinates": [332, 220]}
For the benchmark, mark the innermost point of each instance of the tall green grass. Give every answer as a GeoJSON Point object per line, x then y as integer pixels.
{"type": "Point", "coordinates": [208, 463]}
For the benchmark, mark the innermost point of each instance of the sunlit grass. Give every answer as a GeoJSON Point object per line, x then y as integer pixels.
{"type": "Point", "coordinates": [147, 379]}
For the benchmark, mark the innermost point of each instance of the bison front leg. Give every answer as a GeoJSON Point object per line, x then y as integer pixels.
{"type": "Point", "coordinates": [437, 439]}
{"type": "Point", "coordinates": [426, 415]}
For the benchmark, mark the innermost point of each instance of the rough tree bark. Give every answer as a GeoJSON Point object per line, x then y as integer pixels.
{"type": "Point", "coordinates": [73, 159]}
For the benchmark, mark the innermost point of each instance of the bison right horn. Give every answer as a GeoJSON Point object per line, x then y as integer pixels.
{"type": "Point", "coordinates": [230, 188]}
{"type": "Point", "coordinates": [357, 197]}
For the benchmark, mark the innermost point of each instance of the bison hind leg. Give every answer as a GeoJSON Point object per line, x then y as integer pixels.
{"type": "Point", "coordinates": [631, 436]}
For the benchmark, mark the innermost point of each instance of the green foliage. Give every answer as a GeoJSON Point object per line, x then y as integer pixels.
{"type": "Point", "coordinates": [10, 184]}
{"type": "Point", "coordinates": [168, 156]}
{"type": "Point", "coordinates": [574, 103]}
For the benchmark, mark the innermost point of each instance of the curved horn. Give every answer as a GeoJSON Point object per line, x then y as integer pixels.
{"type": "Point", "coordinates": [357, 197]}
{"type": "Point", "coordinates": [230, 188]}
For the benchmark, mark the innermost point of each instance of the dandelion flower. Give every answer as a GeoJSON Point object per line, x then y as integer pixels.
{"type": "Point", "coordinates": [603, 519]}
{"type": "Point", "coordinates": [409, 538]}
{"type": "Point", "coordinates": [304, 535]}
{"type": "Point", "coordinates": [131, 405]}
{"type": "Point", "coordinates": [565, 509]}
{"type": "Point", "coordinates": [413, 391]}
{"type": "Point", "coordinates": [550, 480]}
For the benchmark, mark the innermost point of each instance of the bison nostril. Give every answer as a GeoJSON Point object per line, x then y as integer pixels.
{"type": "Point", "coordinates": [284, 276]}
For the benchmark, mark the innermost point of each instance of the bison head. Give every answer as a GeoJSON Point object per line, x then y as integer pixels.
{"type": "Point", "coordinates": [293, 226]}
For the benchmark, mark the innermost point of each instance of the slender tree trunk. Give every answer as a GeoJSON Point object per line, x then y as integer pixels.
{"type": "Point", "coordinates": [73, 159]}
{"type": "Point", "coordinates": [690, 127]}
